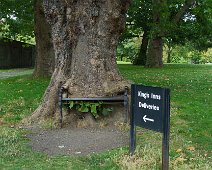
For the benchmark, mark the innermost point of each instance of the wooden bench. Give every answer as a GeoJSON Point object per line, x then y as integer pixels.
{"type": "Point", "coordinates": [107, 100]}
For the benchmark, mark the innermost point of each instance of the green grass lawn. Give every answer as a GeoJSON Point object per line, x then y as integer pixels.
{"type": "Point", "coordinates": [15, 69]}
{"type": "Point", "coordinates": [190, 138]}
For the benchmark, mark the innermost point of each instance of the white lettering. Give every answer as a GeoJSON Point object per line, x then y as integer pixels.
{"type": "Point", "coordinates": [140, 104]}
{"type": "Point", "coordinates": [155, 96]}
{"type": "Point", "coordinates": [144, 95]}
{"type": "Point", "coordinates": [139, 93]}
{"type": "Point", "coordinates": [148, 106]}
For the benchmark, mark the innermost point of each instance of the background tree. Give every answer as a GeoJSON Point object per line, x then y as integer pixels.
{"type": "Point", "coordinates": [155, 50]}
{"type": "Point", "coordinates": [140, 18]}
{"type": "Point", "coordinates": [22, 21]}
{"type": "Point", "coordinates": [44, 63]}
{"type": "Point", "coordinates": [193, 29]}
{"type": "Point", "coordinates": [169, 45]}
{"type": "Point", "coordinates": [163, 20]}
{"type": "Point", "coordinates": [85, 36]}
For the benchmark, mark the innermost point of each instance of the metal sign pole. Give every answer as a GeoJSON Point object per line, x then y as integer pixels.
{"type": "Point", "coordinates": [166, 130]}
{"type": "Point", "coordinates": [132, 138]}
{"type": "Point", "coordinates": [132, 124]}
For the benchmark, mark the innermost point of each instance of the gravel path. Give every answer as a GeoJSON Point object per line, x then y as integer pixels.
{"type": "Point", "coordinates": [77, 141]}
{"type": "Point", "coordinates": [15, 72]}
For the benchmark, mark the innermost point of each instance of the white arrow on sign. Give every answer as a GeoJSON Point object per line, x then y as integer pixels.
{"type": "Point", "coordinates": [145, 119]}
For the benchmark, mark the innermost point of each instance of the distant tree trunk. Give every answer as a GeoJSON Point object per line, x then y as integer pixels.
{"type": "Point", "coordinates": [155, 53]}
{"type": "Point", "coordinates": [44, 63]}
{"type": "Point", "coordinates": [169, 57]}
{"type": "Point", "coordinates": [141, 58]}
{"type": "Point", "coordinates": [155, 48]}
{"type": "Point", "coordinates": [121, 57]}
{"type": "Point", "coordinates": [85, 36]}
{"type": "Point", "coordinates": [169, 54]}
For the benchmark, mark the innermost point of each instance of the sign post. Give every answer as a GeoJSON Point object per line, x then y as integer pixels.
{"type": "Point", "coordinates": [150, 109]}
{"type": "Point", "coordinates": [166, 131]}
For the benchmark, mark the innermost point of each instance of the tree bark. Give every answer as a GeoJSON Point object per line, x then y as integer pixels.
{"type": "Point", "coordinates": [85, 37]}
{"type": "Point", "coordinates": [142, 56]}
{"type": "Point", "coordinates": [155, 53]}
{"type": "Point", "coordinates": [155, 48]}
{"type": "Point", "coordinates": [44, 63]}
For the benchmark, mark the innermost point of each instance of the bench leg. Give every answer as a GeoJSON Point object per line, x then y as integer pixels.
{"type": "Point", "coordinates": [126, 105]}
{"type": "Point", "coordinates": [60, 107]}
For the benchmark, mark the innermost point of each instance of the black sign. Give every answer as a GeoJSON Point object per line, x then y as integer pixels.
{"type": "Point", "coordinates": [149, 106]}
{"type": "Point", "coordinates": [150, 109]}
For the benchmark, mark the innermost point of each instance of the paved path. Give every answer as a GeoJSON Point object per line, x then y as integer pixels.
{"type": "Point", "coordinates": [81, 141]}
{"type": "Point", "coordinates": [15, 72]}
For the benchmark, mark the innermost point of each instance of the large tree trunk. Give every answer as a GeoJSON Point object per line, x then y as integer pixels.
{"type": "Point", "coordinates": [44, 64]}
{"type": "Point", "coordinates": [85, 36]}
{"type": "Point", "coordinates": [141, 58]}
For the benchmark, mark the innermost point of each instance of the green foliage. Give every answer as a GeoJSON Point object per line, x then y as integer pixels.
{"type": "Point", "coordinates": [196, 57]}
{"type": "Point", "coordinates": [128, 49]}
{"type": "Point", "coordinates": [207, 56]}
{"type": "Point", "coordinates": [193, 25]}
{"type": "Point", "coordinates": [106, 111]}
{"type": "Point", "coordinates": [95, 108]}
{"type": "Point", "coordinates": [180, 54]}
{"type": "Point", "coordinates": [17, 20]}
{"type": "Point", "coordinates": [188, 54]}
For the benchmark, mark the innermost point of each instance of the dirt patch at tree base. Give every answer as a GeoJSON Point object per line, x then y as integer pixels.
{"type": "Point", "coordinates": [79, 141]}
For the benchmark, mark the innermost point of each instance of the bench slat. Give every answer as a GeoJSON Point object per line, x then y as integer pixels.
{"type": "Point", "coordinates": [109, 100]}
{"type": "Point", "coordinates": [121, 98]}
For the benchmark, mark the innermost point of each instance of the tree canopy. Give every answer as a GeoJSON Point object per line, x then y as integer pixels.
{"type": "Point", "coordinates": [180, 22]}
{"type": "Point", "coordinates": [16, 19]}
